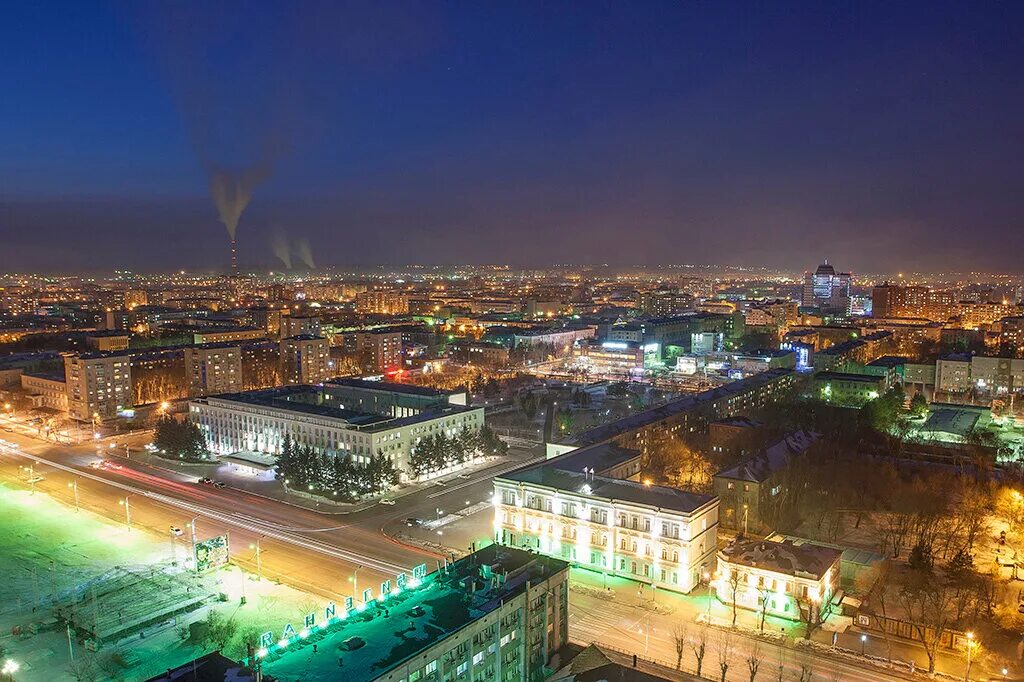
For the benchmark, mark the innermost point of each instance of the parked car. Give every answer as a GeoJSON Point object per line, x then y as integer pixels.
{"type": "Point", "coordinates": [220, 484]}
{"type": "Point", "coordinates": [388, 502]}
{"type": "Point", "coordinates": [176, 532]}
{"type": "Point", "coordinates": [413, 522]}
{"type": "Point", "coordinates": [464, 476]}
{"type": "Point", "coordinates": [206, 480]}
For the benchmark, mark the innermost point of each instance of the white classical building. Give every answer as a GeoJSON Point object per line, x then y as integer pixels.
{"type": "Point", "coordinates": [258, 421]}
{"type": "Point", "coordinates": [569, 507]}
{"type": "Point", "coordinates": [788, 580]}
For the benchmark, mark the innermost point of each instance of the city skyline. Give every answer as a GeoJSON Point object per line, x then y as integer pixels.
{"type": "Point", "coordinates": [640, 135]}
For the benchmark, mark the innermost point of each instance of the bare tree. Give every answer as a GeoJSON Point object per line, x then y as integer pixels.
{"type": "Point", "coordinates": [699, 645]}
{"type": "Point", "coordinates": [724, 651]}
{"type": "Point", "coordinates": [734, 582]}
{"type": "Point", "coordinates": [680, 637]}
{"type": "Point", "coordinates": [928, 605]}
{"type": "Point", "coordinates": [754, 660]}
{"type": "Point", "coordinates": [763, 593]}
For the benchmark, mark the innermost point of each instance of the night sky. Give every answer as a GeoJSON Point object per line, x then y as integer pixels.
{"type": "Point", "coordinates": [882, 136]}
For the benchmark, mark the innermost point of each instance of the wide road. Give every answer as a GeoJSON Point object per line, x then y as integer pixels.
{"type": "Point", "coordinates": [652, 636]}
{"type": "Point", "coordinates": [313, 551]}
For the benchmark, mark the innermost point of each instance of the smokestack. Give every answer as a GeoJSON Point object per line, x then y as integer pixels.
{"type": "Point", "coordinates": [234, 257]}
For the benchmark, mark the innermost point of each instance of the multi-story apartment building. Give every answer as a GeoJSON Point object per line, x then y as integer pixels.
{"type": "Point", "coordinates": [382, 302]}
{"type": "Point", "coordinates": [1011, 336]}
{"type": "Point", "coordinates": [226, 334]}
{"type": "Point", "coordinates": [748, 491]}
{"type": "Point", "coordinates": [784, 579]}
{"type": "Point", "coordinates": [300, 325]}
{"type": "Point", "coordinates": [497, 615]}
{"type": "Point", "coordinates": [889, 300]}
{"type": "Point", "coordinates": [692, 413]}
{"type": "Point", "coordinates": [213, 369]}
{"type": "Point", "coordinates": [561, 507]}
{"type": "Point", "coordinates": [261, 365]}
{"type": "Point", "coordinates": [661, 303]}
{"type": "Point", "coordinates": [267, 319]}
{"type": "Point", "coordinates": [379, 350]}
{"type": "Point", "coordinates": [964, 373]}
{"type": "Point", "coordinates": [305, 359]}
{"type": "Point", "coordinates": [328, 420]}
{"type": "Point", "coordinates": [863, 350]}
{"type": "Point", "coordinates": [98, 384]}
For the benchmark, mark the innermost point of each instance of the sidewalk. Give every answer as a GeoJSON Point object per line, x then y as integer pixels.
{"type": "Point", "coordinates": [666, 608]}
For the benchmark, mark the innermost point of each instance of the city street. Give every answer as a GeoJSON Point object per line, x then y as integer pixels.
{"type": "Point", "coordinates": [338, 553]}
{"type": "Point", "coordinates": [319, 551]}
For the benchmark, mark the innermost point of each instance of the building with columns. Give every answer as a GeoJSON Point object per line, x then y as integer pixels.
{"type": "Point", "coordinates": [582, 507]}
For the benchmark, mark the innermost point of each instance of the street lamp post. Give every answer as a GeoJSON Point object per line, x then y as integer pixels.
{"type": "Point", "coordinates": [74, 485]}
{"type": "Point", "coordinates": [127, 513]}
{"type": "Point", "coordinates": [355, 583]}
{"type": "Point", "coordinates": [863, 642]}
{"type": "Point", "coordinates": [259, 564]}
{"type": "Point", "coordinates": [970, 646]}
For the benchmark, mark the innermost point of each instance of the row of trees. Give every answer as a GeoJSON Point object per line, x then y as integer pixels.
{"type": "Point", "coordinates": [338, 478]}
{"type": "Point", "coordinates": [180, 440]}
{"type": "Point", "coordinates": [439, 451]}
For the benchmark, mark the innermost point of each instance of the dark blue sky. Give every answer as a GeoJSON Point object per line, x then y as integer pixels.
{"type": "Point", "coordinates": [883, 136]}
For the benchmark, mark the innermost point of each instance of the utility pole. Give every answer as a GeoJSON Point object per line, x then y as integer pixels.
{"type": "Point", "coordinates": [71, 650]}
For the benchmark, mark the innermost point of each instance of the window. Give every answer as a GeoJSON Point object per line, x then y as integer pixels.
{"type": "Point", "coordinates": [431, 667]}
{"type": "Point", "coordinates": [478, 658]}
{"type": "Point", "coordinates": [461, 669]}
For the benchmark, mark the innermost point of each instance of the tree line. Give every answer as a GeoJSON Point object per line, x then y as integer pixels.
{"type": "Point", "coordinates": [439, 451]}
{"type": "Point", "coordinates": [180, 440]}
{"type": "Point", "coordinates": [303, 469]}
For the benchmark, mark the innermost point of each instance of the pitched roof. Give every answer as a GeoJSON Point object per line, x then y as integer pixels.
{"type": "Point", "coordinates": [761, 466]}
{"type": "Point", "coordinates": [782, 557]}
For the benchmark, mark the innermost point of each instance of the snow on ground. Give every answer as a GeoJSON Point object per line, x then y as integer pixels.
{"type": "Point", "coordinates": [49, 548]}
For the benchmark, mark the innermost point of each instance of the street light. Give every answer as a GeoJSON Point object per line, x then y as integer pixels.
{"type": "Point", "coordinates": [863, 641]}
{"type": "Point", "coordinates": [10, 667]}
{"type": "Point", "coordinates": [259, 566]}
{"type": "Point", "coordinates": [970, 646]}
{"type": "Point", "coordinates": [127, 512]}
{"type": "Point", "coordinates": [74, 484]}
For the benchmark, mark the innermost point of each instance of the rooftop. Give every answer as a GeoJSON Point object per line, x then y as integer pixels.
{"type": "Point", "coordinates": [774, 457]}
{"type": "Point", "coordinates": [889, 361]}
{"type": "Point", "coordinates": [847, 346]}
{"type": "Point", "coordinates": [782, 557]}
{"type": "Point", "coordinates": [389, 387]}
{"type": "Point", "coordinates": [305, 398]}
{"type": "Point", "coordinates": [846, 376]}
{"type": "Point", "coordinates": [688, 403]}
{"type": "Point", "coordinates": [956, 420]}
{"type": "Point", "coordinates": [612, 489]}
{"type": "Point", "coordinates": [399, 629]}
